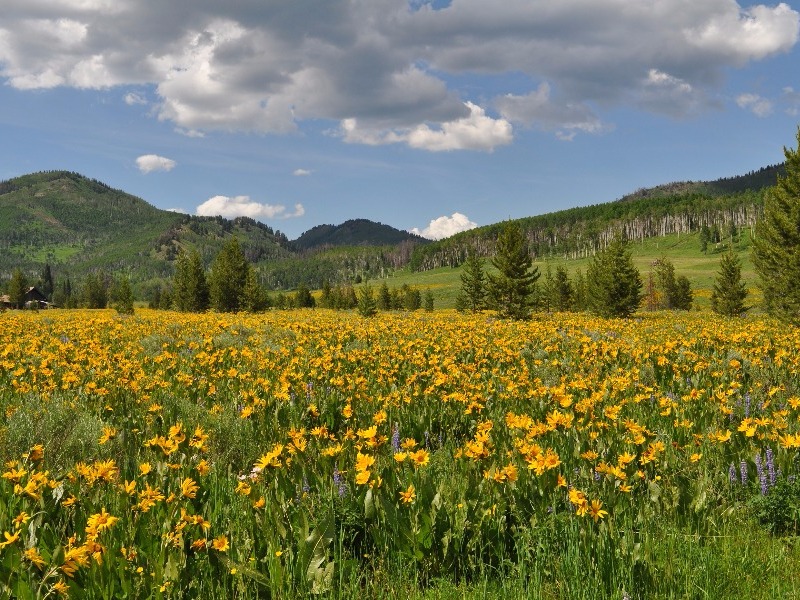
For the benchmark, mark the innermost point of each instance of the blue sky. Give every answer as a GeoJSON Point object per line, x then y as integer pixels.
{"type": "Point", "coordinates": [433, 116]}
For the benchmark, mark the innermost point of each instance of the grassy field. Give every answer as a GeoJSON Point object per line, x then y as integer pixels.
{"type": "Point", "coordinates": [682, 250]}
{"type": "Point", "coordinates": [411, 455]}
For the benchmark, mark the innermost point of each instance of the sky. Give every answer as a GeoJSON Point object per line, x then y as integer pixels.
{"type": "Point", "coordinates": [429, 116]}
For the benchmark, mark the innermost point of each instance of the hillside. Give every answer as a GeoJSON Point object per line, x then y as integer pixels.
{"type": "Point", "coordinates": [355, 232]}
{"type": "Point", "coordinates": [77, 225]}
{"type": "Point", "coordinates": [676, 208]}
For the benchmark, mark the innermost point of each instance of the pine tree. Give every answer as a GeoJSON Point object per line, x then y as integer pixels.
{"type": "Point", "coordinates": [191, 293]}
{"type": "Point", "coordinates": [122, 295]}
{"type": "Point", "coordinates": [472, 296]}
{"type": "Point", "coordinates": [613, 283]}
{"type": "Point", "coordinates": [562, 294]}
{"type": "Point", "coordinates": [47, 282]}
{"type": "Point", "coordinates": [366, 306]}
{"type": "Point", "coordinates": [18, 288]}
{"type": "Point", "coordinates": [510, 292]}
{"type": "Point", "coordinates": [303, 297]}
{"type": "Point", "coordinates": [776, 246]}
{"type": "Point", "coordinates": [384, 297]}
{"type": "Point", "coordinates": [228, 278]}
{"type": "Point", "coordinates": [254, 297]}
{"type": "Point", "coordinates": [729, 292]}
{"type": "Point", "coordinates": [95, 290]}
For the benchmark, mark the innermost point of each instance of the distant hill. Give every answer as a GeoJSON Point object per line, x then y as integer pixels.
{"type": "Point", "coordinates": [355, 232]}
{"type": "Point", "coordinates": [77, 225]}
{"type": "Point", "coordinates": [680, 207]}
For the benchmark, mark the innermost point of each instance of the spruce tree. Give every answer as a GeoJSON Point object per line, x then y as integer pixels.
{"type": "Point", "coordinates": [367, 307]}
{"type": "Point", "coordinates": [776, 245]}
{"type": "Point", "coordinates": [123, 296]}
{"type": "Point", "coordinates": [191, 293]}
{"type": "Point", "coordinates": [510, 292]}
{"type": "Point", "coordinates": [47, 282]}
{"type": "Point", "coordinates": [563, 292]}
{"type": "Point", "coordinates": [384, 297]}
{"type": "Point", "coordinates": [228, 278]}
{"type": "Point", "coordinates": [729, 292]}
{"type": "Point", "coordinates": [613, 283]}
{"type": "Point", "coordinates": [18, 288]}
{"type": "Point", "coordinates": [254, 297]}
{"type": "Point", "coordinates": [472, 296]}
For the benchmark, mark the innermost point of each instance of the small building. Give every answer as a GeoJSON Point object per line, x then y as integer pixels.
{"type": "Point", "coordinates": [33, 299]}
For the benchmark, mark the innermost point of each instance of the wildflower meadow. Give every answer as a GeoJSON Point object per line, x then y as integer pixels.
{"type": "Point", "coordinates": [313, 452]}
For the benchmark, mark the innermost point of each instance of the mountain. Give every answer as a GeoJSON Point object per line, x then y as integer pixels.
{"type": "Point", "coordinates": [77, 225]}
{"type": "Point", "coordinates": [355, 232]}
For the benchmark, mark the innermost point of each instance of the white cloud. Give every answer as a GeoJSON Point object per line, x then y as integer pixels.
{"type": "Point", "coordinates": [301, 172]}
{"type": "Point", "coordinates": [132, 98]}
{"type": "Point", "coordinates": [397, 71]}
{"type": "Point", "coordinates": [445, 226]}
{"type": "Point", "coordinates": [758, 105]}
{"type": "Point", "coordinates": [243, 206]}
{"type": "Point", "coordinates": [152, 162]}
{"type": "Point", "coordinates": [474, 132]}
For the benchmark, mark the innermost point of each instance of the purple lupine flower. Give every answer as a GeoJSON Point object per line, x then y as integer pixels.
{"type": "Point", "coordinates": [306, 488]}
{"type": "Point", "coordinates": [747, 405]}
{"type": "Point", "coordinates": [771, 467]}
{"type": "Point", "coordinates": [427, 440]}
{"type": "Point", "coordinates": [762, 475]}
{"type": "Point", "coordinates": [339, 482]}
{"type": "Point", "coordinates": [732, 473]}
{"type": "Point", "coordinates": [743, 471]}
{"type": "Point", "coordinates": [396, 438]}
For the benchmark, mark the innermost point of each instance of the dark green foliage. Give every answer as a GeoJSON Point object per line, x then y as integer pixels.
{"type": "Point", "coordinates": [95, 290]}
{"type": "Point", "coordinates": [776, 247]}
{"type": "Point", "coordinates": [613, 283]}
{"type": "Point", "coordinates": [228, 278]}
{"type": "Point", "coordinates": [17, 288]}
{"type": "Point", "coordinates": [729, 291]}
{"type": "Point", "coordinates": [255, 297]}
{"type": "Point", "coordinates": [472, 296]}
{"type": "Point", "coordinates": [303, 298]}
{"type": "Point", "coordinates": [665, 290]}
{"type": "Point", "coordinates": [428, 301]}
{"type": "Point", "coordinates": [384, 297]}
{"type": "Point", "coordinates": [367, 306]}
{"type": "Point", "coordinates": [779, 509]}
{"type": "Point", "coordinates": [190, 288]}
{"type": "Point", "coordinates": [510, 292]}
{"type": "Point", "coordinates": [412, 298]}
{"type": "Point", "coordinates": [355, 232]}
{"type": "Point", "coordinates": [562, 291]}
{"type": "Point", "coordinates": [122, 296]}
{"type": "Point", "coordinates": [62, 295]}
{"type": "Point", "coordinates": [46, 284]}
{"type": "Point", "coordinates": [579, 297]}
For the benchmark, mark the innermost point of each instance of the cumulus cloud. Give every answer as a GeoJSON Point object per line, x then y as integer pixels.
{"type": "Point", "coordinates": [445, 226]}
{"type": "Point", "coordinates": [132, 98]}
{"type": "Point", "coordinates": [301, 172]}
{"type": "Point", "coordinates": [152, 162]}
{"type": "Point", "coordinates": [477, 131]}
{"type": "Point", "coordinates": [243, 206]}
{"type": "Point", "coordinates": [759, 106]}
{"type": "Point", "coordinates": [391, 68]}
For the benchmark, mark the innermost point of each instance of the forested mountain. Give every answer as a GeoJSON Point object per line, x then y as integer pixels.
{"type": "Point", "coordinates": [682, 207]}
{"type": "Point", "coordinates": [80, 225]}
{"type": "Point", "coordinates": [355, 232]}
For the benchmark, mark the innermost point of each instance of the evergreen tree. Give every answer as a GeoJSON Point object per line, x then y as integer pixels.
{"type": "Point", "coordinates": [729, 292]}
{"type": "Point", "coordinates": [303, 297]}
{"type": "Point", "coordinates": [613, 283]}
{"type": "Point", "coordinates": [191, 293]}
{"type": "Point", "coordinates": [62, 295]}
{"type": "Point", "coordinates": [705, 237]}
{"type": "Point", "coordinates": [95, 290]}
{"type": "Point", "coordinates": [384, 297]}
{"type": "Point", "coordinates": [366, 306]}
{"type": "Point", "coordinates": [254, 297]}
{"type": "Point", "coordinates": [46, 286]}
{"type": "Point", "coordinates": [665, 290]}
{"type": "Point", "coordinates": [776, 245]}
{"type": "Point", "coordinates": [472, 296]}
{"type": "Point", "coordinates": [18, 288]}
{"type": "Point", "coordinates": [326, 297]}
{"type": "Point", "coordinates": [510, 292]}
{"type": "Point", "coordinates": [562, 294]}
{"type": "Point", "coordinates": [228, 278]}
{"type": "Point", "coordinates": [122, 296]}
{"type": "Point", "coordinates": [683, 293]}
{"type": "Point", "coordinates": [579, 301]}
{"type": "Point", "coordinates": [428, 301]}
